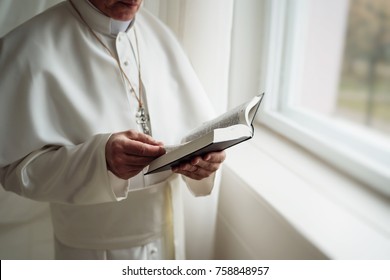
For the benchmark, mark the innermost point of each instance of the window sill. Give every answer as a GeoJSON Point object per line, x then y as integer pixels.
{"type": "Point", "coordinates": [341, 217]}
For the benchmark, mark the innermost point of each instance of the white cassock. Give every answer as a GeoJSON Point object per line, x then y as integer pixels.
{"type": "Point", "coordinates": [62, 95]}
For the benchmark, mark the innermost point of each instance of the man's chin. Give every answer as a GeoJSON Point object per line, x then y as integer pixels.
{"type": "Point", "coordinates": [124, 13]}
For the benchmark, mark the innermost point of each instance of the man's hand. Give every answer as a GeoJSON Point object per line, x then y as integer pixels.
{"type": "Point", "coordinates": [201, 166]}
{"type": "Point", "coordinates": [129, 152]}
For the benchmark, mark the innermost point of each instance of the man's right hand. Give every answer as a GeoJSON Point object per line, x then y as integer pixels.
{"type": "Point", "coordinates": [129, 152]}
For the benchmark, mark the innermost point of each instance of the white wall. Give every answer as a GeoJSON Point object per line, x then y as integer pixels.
{"type": "Point", "coordinates": [325, 31]}
{"type": "Point", "coordinates": [248, 227]}
{"type": "Point", "coordinates": [246, 51]}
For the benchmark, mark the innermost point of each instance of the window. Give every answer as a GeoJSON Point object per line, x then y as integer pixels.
{"type": "Point", "coordinates": [364, 87]}
{"type": "Point", "coordinates": [328, 82]}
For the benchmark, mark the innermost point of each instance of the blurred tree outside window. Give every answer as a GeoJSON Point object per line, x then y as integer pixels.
{"type": "Point", "coordinates": [364, 86]}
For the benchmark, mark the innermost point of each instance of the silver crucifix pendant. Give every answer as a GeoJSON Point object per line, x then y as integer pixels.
{"type": "Point", "coordinates": [143, 120]}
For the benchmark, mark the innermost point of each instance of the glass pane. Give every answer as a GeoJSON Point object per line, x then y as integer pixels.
{"type": "Point", "coordinates": [343, 62]}
{"type": "Point", "coordinates": [364, 87]}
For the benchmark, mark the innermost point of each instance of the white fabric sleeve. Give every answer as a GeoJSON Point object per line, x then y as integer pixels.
{"type": "Point", "coordinates": [65, 174]}
{"type": "Point", "coordinates": [119, 186]}
{"type": "Point", "coordinates": [201, 187]}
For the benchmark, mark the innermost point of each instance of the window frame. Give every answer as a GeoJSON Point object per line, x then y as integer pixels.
{"type": "Point", "coordinates": [362, 155]}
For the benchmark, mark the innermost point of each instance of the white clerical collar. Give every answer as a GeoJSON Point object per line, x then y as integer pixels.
{"type": "Point", "coordinates": [100, 22]}
{"type": "Point", "coordinates": [116, 26]}
{"type": "Point", "coordinates": [119, 26]}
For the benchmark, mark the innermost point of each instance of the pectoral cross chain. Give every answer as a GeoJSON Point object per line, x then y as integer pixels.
{"type": "Point", "coordinates": [143, 119]}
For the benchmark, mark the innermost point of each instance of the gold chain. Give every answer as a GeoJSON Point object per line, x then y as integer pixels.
{"type": "Point", "coordinates": [139, 98]}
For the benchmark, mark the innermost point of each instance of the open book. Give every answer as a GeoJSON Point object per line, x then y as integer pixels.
{"type": "Point", "coordinates": [229, 129]}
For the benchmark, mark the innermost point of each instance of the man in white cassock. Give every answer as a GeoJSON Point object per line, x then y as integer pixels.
{"type": "Point", "coordinates": [90, 92]}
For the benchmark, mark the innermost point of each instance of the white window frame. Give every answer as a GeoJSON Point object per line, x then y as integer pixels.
{"type": "Point", "coordinates": [350, 148]}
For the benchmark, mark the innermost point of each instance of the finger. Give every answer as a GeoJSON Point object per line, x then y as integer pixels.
{"type": "Point", "coordinates": [198, 174]}
{"type": "Point", "coordinates": [210, 161]}
{"type": "Point", "coordinates": [217, 157]}
{"type": "Point", "coordinates": [135, 147]}
{"type": "Point", "coordinates": [188, 167]}
{"type": "Point", "coordinates": [194, 171]}
{"type": "Point", "coordinates": [144, 138]}
{"type": "Point", "coordinates": [192, 175]}
{"type": "Point", "coordinates": [132, 160]}
{"type": "Point", "coordinates": [210, 166]}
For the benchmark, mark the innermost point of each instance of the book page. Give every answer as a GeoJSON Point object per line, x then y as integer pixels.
{"type": "Point", "coordinates": [242, 114]}
{"type": "Point", "coordinates": [230, 118]}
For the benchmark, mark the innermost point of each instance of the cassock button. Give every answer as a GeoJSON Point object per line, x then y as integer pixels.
{"type": "Point", "coordinates": [126, 63]}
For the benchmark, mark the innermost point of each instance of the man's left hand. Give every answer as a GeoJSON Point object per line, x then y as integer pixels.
{"type": "Point", "coordinates": [201, 167]}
